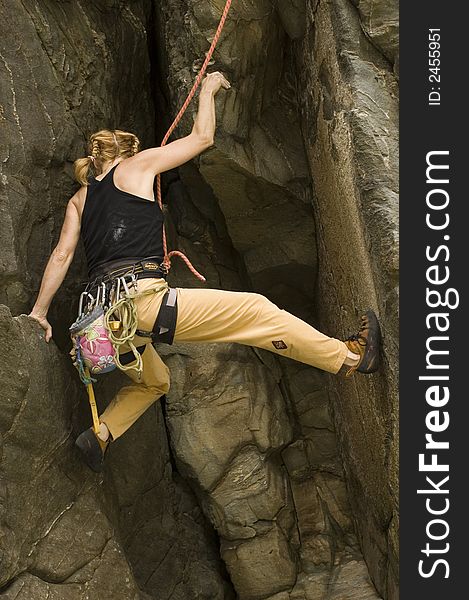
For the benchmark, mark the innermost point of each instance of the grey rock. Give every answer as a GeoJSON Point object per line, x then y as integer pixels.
{"type": "Point", "coordinates": [293, 17]}
{"type": "Point", "coordinates": [52, 523]}
{"type": "Point", "coordinates": [65, 530]}
{"type": "Point", "coordinates": [309, 156]}
{"type": "Point", "coordinates": [256, 476]}
{"type": "Point", "coordinates": [354, 116]}
{"type": "Point", "coordinates": [214, 411]}
{"type": "Point", "coordinates": [55, 90]}
{"type": "Point", "coordinates": [260, 566]}
{"type": "Point", "coordinates": [380, 21]}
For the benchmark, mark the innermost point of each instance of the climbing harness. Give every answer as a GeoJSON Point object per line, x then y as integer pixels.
{"type": "Point", "coordinates": [107, 319]}
{"type": "Point", "coordinates": [165, 324]}
{"type": "Point", "coordinates": [167, 256]}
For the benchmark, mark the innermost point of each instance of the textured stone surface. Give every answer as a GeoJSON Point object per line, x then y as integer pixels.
{"type": "Point", "coordinates": [257, 169]}
{"type": "Point", "coordinates": [350, 120]}
{"type": "Point", "coordinates": [64, 81]}
{"type": "Point", "coordinates": [226, 427]}
{"type": "Point", "coordinates": [239, 474]}
{"type": "Point", "coordinates": [380, 21]}
{"type": "Point", "coordinates": [280, 510]}
{"type": "Point", "coordinates": [329, 171]}
{"type": "Point", "coordinates": [53, 527]}
{"type": "Point", "coordinates": [65, 530]}
{"type": "Point", "coordinates": [172, 550]}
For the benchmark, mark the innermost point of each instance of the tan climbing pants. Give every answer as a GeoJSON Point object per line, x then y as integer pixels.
{"type": "Point", "coordinates": [211, 315]}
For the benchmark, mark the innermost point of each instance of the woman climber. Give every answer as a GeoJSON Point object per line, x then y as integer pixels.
{"type": "Point", "coordinates": [121, 224]}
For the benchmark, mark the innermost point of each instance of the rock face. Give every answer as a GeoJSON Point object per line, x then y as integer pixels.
{"type": "Point", "coordinates": [275, 495]}
{"type": "Point", "coordinates": [66, 533]}
{"type": "Point", "coordinates": [227, 425]}
{"type": "Point", "coordinates": [57, 88]}
{"type": "Point", "coordinates": [349, 114]}
{"type": "Point", "coordinates": [256, 477]}
{"type": "Point", "coordinates": [55, 537]}
{"type": "Point", "coordinates": [380, 22]}
{"type": "Point", "coordinates": [258, 169]}
{"type": "Point", "coordinates": [306, 151]}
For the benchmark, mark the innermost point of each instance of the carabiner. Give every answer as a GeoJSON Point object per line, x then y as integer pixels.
{"type": "Point", "coordinates": [98, 295]}
{"type": "Point", "coordinates": [164, 267]}
{"type": "Point", "coordinates": [80, 304]}
{"type": "Point", "coordinates": [124, 283]}
{"type": "Point", "coordinates": [134, 280]}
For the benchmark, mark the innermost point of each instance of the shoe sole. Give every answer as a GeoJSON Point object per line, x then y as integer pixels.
{"type": "Point", "coordinates": [370, 362]}
{"type": "Point", "coordinates": [91, 450]}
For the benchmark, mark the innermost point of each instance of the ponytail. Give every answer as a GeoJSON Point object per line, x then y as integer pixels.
{"type": "Point", "coordinates": [103, 146]}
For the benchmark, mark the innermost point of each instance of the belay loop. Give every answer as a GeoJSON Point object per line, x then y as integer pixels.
{"type": "Point", "coordinates": [167, 256]}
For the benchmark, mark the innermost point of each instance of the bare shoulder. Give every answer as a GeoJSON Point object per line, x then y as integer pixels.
{"type": "Point", "coordinates": [144, 162]}
{"type": "Point", "coordinates": [132, 175]}
{"type": "Point", "coordinates": [134, 166]}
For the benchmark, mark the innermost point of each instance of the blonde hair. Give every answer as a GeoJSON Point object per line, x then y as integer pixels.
{"type": "Point", "coordinates": [105, 145]}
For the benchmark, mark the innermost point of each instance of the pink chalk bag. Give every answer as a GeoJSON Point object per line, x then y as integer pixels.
{"type": "Point", "coordinates": [93, 351]}
{"type": "Point", "coordinates": [91, 344]}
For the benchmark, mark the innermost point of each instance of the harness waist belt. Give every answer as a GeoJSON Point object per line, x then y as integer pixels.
{"type": "Point", "coordinates": [141, 268]}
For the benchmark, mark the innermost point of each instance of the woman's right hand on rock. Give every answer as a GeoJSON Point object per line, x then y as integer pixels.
{"type": "Point", "coordinates": [44, 323]}
{"type": "Point", "coordinates": [214, 81]}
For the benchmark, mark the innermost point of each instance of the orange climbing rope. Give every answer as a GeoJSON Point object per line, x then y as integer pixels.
{"type": "Point", "coordinates": [167, 256]}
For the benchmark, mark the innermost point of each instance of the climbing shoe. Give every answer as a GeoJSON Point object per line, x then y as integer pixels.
{"type": "Point", "coordinates": [366, 343]}
{"type": "Point", "coordinates": [92, 448]}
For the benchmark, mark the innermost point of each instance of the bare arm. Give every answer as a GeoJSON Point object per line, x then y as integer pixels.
{"type": "Point", "coordinates": [57, 267]}
{"type": "Point", "coordinates": [205, 121]}
{"type": "Point", "coordinates": [174, 154]}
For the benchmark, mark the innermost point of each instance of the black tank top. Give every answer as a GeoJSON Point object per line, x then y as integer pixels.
{"type": "Point", "coordinates": [117, 225]}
